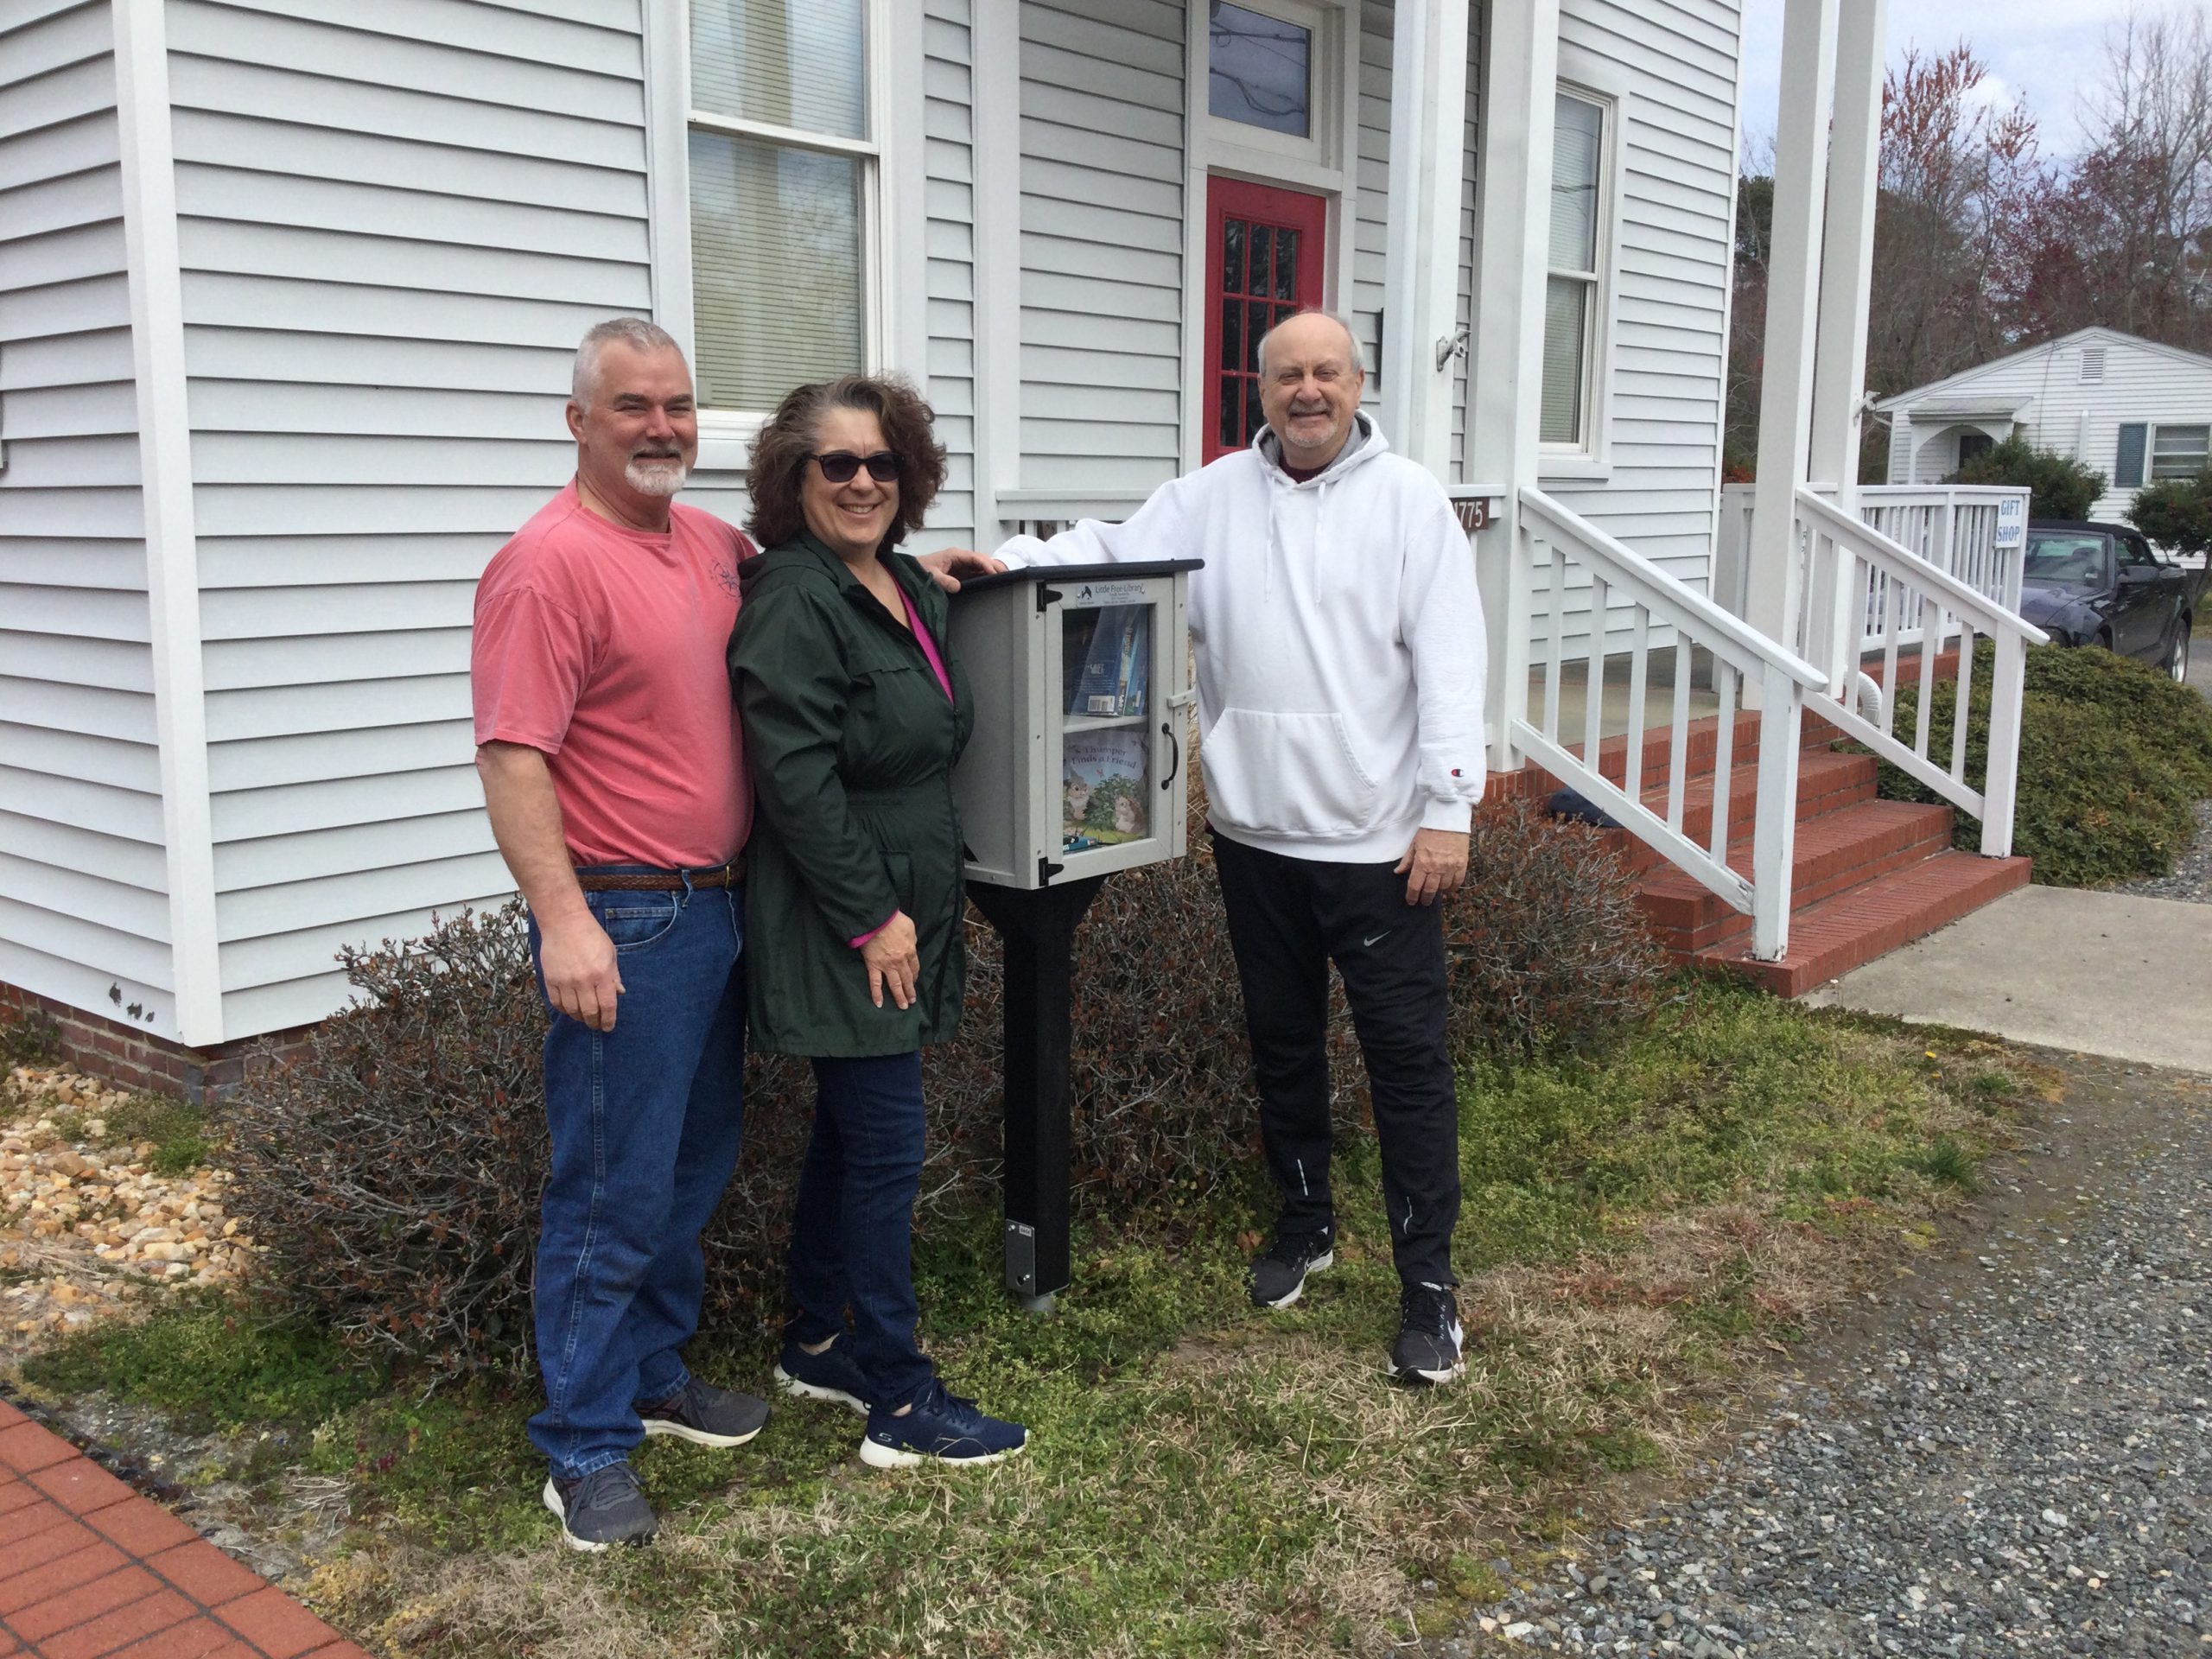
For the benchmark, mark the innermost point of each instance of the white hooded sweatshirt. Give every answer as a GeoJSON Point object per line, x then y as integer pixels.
{"type": "Point", "coordinates": [1339, 639]}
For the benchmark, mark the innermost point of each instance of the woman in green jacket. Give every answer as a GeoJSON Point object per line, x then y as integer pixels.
{"type": "Point", "coordinates": [854, 710]}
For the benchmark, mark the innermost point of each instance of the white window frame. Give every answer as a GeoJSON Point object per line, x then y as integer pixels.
{"type": "Point", "coordinates": [894, 124]}
{"type": "Point", "coordinates": [1279, 157]}
{"type": "Point", "coordinates": [1590, 456]}
{"type": "Point", "coordinates": [2150, 447]}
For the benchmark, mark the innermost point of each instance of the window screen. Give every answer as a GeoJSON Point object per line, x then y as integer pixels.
{"type": "Point", "coordinates": [2179, 451]}
{"type": "Point", "coordinates": [779, 291]}
{"type": "Point", "coordinates": [1571, 291]}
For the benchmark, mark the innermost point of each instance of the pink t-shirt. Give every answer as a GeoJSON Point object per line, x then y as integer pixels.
{"type": "Point", "coordinates": [603, 647]}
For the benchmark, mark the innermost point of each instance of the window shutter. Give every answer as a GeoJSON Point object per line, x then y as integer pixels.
{"type": "Point", "coordinates": [2127, 468]}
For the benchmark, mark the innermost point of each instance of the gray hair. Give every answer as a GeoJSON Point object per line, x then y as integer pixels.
{"type": "Point", "coordinates": [1351, 337]}
{"type": "Point", "coordinates": [631, 331]}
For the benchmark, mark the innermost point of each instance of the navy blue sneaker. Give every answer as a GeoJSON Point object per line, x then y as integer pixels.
{"type": "Point", "coordinates": [829, 1375]}
{"type": "Point", "coordinates": [941, 1429]}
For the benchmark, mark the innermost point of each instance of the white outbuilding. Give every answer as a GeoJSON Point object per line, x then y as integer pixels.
{"type": "Point", "coordinates": [2134, 410]}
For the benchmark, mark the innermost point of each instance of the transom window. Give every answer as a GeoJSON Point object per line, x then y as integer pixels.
{"type": "Point", "coordinates": [1258, 70]}
{"type": "Point", "coordinates": [1574, 288]}
{"type": "Point", "coordinates": [783, 157]}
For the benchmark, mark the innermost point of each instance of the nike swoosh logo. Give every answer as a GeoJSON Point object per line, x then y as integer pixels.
{"type": "Point", "coordinates": [1377, 939]}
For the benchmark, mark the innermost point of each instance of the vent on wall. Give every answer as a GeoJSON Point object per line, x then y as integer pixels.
{"type": "Point", "coordinates": [2093, 364]}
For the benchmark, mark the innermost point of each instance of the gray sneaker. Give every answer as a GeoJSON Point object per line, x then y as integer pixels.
{"type": "Point", "coordinates": [707, 1415]}
{"type": "Point", "coordinates": [600, 1510]}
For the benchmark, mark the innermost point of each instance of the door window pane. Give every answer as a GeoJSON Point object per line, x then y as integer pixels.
{"type": "Point", "coordinates": [1575, 137]}
{"type": "Point", "coordinates": [1258, 70]}
{"type": "Point", "coordinates": [776, 257]}
{"type": "Point", "coordinates": [789, 63]}
{"type": "Point", "coordinates": [2178, 451]}
{"type": "Point", "coordinates": [1565, 331]}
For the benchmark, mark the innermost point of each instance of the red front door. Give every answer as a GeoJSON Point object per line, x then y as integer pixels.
{"type": "Point", "coordinates": [1264, 263]}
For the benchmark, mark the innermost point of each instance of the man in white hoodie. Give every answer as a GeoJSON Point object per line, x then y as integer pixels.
{"type": "Point", "coordinates": [1340, 651]}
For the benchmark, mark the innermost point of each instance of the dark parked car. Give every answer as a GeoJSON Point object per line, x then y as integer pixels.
{"type": "Point", "coordinates": [2095, 584]}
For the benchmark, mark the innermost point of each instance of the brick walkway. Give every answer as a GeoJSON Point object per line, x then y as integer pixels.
{"type": "Point", "coordinates": [88, 1567]}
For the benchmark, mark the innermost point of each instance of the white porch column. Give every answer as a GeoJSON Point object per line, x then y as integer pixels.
{"type": "Point", "coordinates": [1429, 105]}
{"type": "Point", "coordinates": [1846, 290]}
{"type": "Point", "coordinates": [1513, 211]}
{"type": "Point", "coordinates": [995, 77]}
{"type": "Point", "coordinates": [1792, 314]}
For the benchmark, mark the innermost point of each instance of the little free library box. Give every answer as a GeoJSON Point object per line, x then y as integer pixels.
{"type": "Point", "coordinates": [1081, 678]}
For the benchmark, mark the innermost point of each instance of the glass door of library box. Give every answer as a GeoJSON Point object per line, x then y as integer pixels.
{"type": "Point", "coordinates": [1082, 688]}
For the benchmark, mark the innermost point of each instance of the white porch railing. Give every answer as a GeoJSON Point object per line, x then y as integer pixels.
{"type": "Point", "coordinates": [1894, 597]}
{"type": "Point", "coordinates": [1952, 526]}
{"type": "Point", "coordinates": [1555, 539]}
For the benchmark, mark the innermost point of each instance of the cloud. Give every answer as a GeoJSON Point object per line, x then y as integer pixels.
{"type": "Point", "coordinates": [2042, 54]}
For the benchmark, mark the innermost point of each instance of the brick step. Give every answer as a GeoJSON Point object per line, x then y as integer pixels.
{"type": "Point", "coordinates": [1840, 850]}
{"type": "Point", "coordinates": [1827, 782]}
{"type": "Point", "coordinates": [1700, 748]}
{"type": "Point", "coordinates": [1872, 918]}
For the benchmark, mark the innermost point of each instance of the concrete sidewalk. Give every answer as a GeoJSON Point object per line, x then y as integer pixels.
{"type": "Point", "coordinates": [2094, 973]}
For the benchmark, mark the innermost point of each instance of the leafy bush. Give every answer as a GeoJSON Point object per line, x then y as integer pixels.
{"type": "Point", "coordinates": [2113, 758]}
{"type": "Point", "coordinates": [2060, 486]}
{"type": "Point", "coordinates": [395, 1169]}
{"type": "Point", "coordinates": [32, 1039]}
{"type": "Point", "coordinates": [2176, 512]}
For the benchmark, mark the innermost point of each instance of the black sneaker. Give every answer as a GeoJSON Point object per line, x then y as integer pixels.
{"type": "Point", "coordinates": [707, 1415]}
{"type": "Point", "coordinates": [829, 1375]}
{"type": "Point", "coordinates": [941, 1429]}
{"type": "Point", "coordinates": [1279, 1277]}
{"type": "Point", "coordinates": [600, 1510]}
{"type": "Point", "coordinates": [1427, 1348]}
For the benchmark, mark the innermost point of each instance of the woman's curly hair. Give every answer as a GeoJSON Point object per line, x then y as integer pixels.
{"type": "Point", "coordinates": [781, 449]}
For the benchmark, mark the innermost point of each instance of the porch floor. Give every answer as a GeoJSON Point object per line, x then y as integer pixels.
{"type": "Point", "coordinates": [1612, 696]}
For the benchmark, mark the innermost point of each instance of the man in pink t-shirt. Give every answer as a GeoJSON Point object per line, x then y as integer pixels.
{"type": "Point", "coordinates": [608, 747]}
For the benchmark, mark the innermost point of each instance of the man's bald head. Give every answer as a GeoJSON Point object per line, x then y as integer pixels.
{"type": "Point", "coordinates": [1310, 328]}
{"type": "Point", "coordinates": [1310, 382]}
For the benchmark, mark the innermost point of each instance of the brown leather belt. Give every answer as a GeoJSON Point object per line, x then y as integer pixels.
{"type": "Point", "coordinates": [722, 875]}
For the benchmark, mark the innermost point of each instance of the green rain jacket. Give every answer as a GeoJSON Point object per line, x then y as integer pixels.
{"type": "Point", "coordinates": [851, 742]}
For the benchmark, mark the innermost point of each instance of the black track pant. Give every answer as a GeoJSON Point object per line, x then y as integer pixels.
{"type": "Point", "coordinates": [1288, 918]}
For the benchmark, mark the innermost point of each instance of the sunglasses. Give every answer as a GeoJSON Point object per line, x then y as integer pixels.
{"type": "Point", "coordinates": [839, 465]}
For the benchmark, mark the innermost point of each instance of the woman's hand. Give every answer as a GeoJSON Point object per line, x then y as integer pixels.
{"type": "Point", "coordinates": [893, 960]}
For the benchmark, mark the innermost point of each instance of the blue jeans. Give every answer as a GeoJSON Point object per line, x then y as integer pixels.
{"type": "Point", "coordinates": [645, 1121]}
{"type": "Point", "coordinates": [852, 1229]}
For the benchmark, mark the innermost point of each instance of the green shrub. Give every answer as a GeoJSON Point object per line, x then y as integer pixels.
{"type": "Point", "coordinates": [2113, 758]}
{"type": "Point", "coordinates": [2059, 486]}
{"type": "Point", "coordinates": [394, 1169]}
{"type": "Point", "coordinates": [31, 1039]}
{"type": "Point", "coordinates": [2176, 512]}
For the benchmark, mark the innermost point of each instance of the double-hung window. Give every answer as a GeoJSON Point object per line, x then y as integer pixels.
{"type": "Point", "coordinates": [1574, 287]}
{"type": "Point", "coordinates": [782, 161]}
{"type": "Point", "coordinates": [2161, 451]}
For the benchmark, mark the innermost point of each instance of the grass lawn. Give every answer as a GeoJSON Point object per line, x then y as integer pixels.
{"type": "Point", "coordinates": [1203, 1479]}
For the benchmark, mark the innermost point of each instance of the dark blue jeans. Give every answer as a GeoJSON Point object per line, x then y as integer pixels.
{"type": "Point", "coordinates": [852, 1231]}
{"type": "Point", "coordinates": [645, 1121]}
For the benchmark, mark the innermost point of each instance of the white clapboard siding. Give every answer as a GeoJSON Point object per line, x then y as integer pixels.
{"type": "Point", "coordinates": [947, 114]}
{"type": "Point", "coordinates": [1372, 190]}
{"type": "Point", "coordinates": [395, 221]}
{"type": "Point", "coordinates": [1672, 202]}
{"type": "Point", "coordinates": [84, 901]}
{"type": "Point", "coordinates": [1101, 239]}
{"type": "Point", "coordinates": [2060, 404]}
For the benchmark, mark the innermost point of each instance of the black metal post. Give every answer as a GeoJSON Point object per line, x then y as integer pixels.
{"type": "Point", "coordinates": [1038, 932]}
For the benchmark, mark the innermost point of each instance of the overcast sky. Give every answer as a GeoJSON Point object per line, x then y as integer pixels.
{"type": "Point", "coordinates": [2043, 52]}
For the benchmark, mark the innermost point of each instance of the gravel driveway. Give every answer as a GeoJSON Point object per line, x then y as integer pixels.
{"type": "Point", "coordinates": [2192, 874]}
{"type": "Point", "coordinates": [2010, 1453]}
